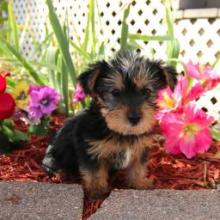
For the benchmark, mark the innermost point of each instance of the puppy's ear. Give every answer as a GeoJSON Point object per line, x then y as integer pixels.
{"type": "Point", "coordinates": [170, 75]}
{"type": "Point", "coordinates": [166, 74]}
{"type": "Point", "coordinates": [89, 78]}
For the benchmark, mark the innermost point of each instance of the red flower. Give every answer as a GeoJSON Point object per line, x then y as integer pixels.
{"type": "Point", "coordinates": [2, 84]}
{"type": "Point", "coordinates": [7, 103]}
{"type": "Point", "coordinates": [7, 106]}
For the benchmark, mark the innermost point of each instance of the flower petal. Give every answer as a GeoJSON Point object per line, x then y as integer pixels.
{"type": "Point", "coordinates": [193, 70]}
{"type": "Point", "coordinates": [7, 106]}
{"type": "Point", "coordinates": [2, 84]}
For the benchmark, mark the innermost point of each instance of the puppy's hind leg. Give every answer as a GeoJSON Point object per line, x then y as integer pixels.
{"type": "Point", "coordinates": [60, 154]}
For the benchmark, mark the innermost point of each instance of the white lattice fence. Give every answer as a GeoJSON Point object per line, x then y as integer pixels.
{"type": "Point", "coordinates": [199, 38]}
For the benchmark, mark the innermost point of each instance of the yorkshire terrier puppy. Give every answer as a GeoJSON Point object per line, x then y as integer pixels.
{"type": "Point", "coordinates": [115, 131]}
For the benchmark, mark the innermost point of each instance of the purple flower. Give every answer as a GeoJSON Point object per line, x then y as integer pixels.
{"type": "Point", "coordinates": [43, 101]}
{"type": "Point", "coordinates": [79, 94]}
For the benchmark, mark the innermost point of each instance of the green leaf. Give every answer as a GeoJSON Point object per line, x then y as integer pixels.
{"type": "Point", "coordinates": [40, 47]}
{"type": "Point", "coordinates": [215, 134]}
{"type": "Point", "coordinates": [169, 19]}
{"type": "Point", "coordinates": [80, 50]}
{"type": "Point", "coordinates": [102, 50]}
{"type": "Point", "coordinates": [7, 130]}
{"type": "Point", "coordinates": [62, 41]}
{"type": "Point", "coordinates": [23, 61]}
{"type": "Point", "coordinates": [14, 37]}
{"type": "Point", "coordinates": [173, 50]}
{"type": "Point", "coordinates": [92, 19]}
{"type": "Point", "coordinates": [51, 58]}
{"type": "Point", "coordinates": [40, 129]}
{"type": "Point", "coordinates": [173, 46]}
{"type": "Point", "coordinates": [124, 29]}
{"type": "Point", "coordinates": [133, 45]}
{"type": "Point", "coordinates": [149, 37]}
{"type": "Point", "coordinates": [86, 38]}
{"type": "Point", "coordinates": [19, 136]}
{"type": "Point", "coordinates": [65, 90]}
{"type": "Point", "coordinates": [11, 82]}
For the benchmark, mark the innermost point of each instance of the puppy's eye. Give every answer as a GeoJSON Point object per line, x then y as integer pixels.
{"type": "Point", "coordinates": [115, 92]}
{"type": "Point", "coordinates": [146, 92]}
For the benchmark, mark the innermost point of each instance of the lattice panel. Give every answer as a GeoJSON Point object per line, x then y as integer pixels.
{"type": "Point", "coordinates": [199, 38]}
{"type": "Point", "coordinates": [211, 103]}
{"type": "Point", "coordinates": [145, 17]}
{"type": "Point", "coordinates": [34, 13]}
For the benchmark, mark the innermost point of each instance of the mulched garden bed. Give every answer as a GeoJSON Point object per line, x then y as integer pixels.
{"type": "Point", "coordinates": [167, 171]}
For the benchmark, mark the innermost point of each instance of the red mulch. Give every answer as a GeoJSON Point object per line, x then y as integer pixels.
{"type": "Point", "coordinates": [167, 171]}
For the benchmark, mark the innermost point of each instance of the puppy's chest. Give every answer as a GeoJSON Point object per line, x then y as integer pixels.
{"type": "Point", "coordinates": [121, 160]}
{"type": "Point", "coordinates": [119, 152]}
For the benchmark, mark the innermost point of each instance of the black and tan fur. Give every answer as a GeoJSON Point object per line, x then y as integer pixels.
{"type": "Point", "coordinates": [115, 131]}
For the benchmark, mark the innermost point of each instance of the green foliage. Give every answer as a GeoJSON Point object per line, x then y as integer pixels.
{"type": "Point", "coordinates": [215, 134]}
{"type": "Point", "coordinates": [173, 47]}
{"type": "Point", "coordinates": [10, 48]}
{"type": "Point", "coordinates": [11, 51]}
{"type": "Point", "coordinates": [124, 29]}
{"type": "Point", "coordinates": [40, 129]}
{"type": "Point", "coordinates": [14, 135]}
{"type": "Point", "coordinates": [3, 17]}
{"type": "Point", "coordinates": [13, 35]}
{"type": "Point", "coordinates": [63, 43]}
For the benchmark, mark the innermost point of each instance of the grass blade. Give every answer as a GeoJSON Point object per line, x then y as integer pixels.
{"type": "Point", "coordinates": [80, 50]}
{"type": "Point", "coordinates": [86, 39]}
{"type": "Point", "coordinates": [92, 19]}
{"type": "Point", "coordinates": [173, 50]}
{"type": "Point", "coordinates": [51, 58]}
{"type": "Point", "coordinates": [149, 37]}
{"type": "Point", "coordinates": [169, 19]}
{"type": "Point", "coordinates": [173, 46]}
{"type": "Point", "coordinates": [62, 41]}
{"type": "Point", "coordinates": [124, 29]}
{"type": "Point", "coordinates": [23, 61]}
{"type": "Point", "coordinates": [14, 37]}
{"type": "Point", "coordinates": [215, 134]}
{"type": "Point", "coordinates": [65, 90]}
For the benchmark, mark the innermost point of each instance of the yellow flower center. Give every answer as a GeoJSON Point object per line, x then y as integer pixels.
{"type": "Point", "coordinates": [190, 130]}
{"type": "Point", "coordinates": [168, 102]}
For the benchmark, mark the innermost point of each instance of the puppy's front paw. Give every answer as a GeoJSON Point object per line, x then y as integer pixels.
{"type": "Point", "coordinates": [144, 183]}
{"type": "Point", "coordinates": [97, 193]}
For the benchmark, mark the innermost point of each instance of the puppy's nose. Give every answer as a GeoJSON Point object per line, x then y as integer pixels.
{"type": "Point", "coordinates": [134, 118]}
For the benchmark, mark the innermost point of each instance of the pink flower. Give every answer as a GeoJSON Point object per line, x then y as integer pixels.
{"type": "Point", "coordinates": [187, 92]}
{"type": "Point", "coordinates": [166, 102]}
{"type": "Point", "coordinates": [187, 131]}
{"type": "Point", "coordinates": [166, 99]}
{"type": "Point", "coordinates": [79, 94]}
{"type": "Point", "coordinates": [183, 93]}
{"type": "Point", "coordinates": [205, 74]}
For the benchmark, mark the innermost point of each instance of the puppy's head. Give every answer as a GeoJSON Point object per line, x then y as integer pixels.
{"type": "Point", "coordinates": [126, 89]}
